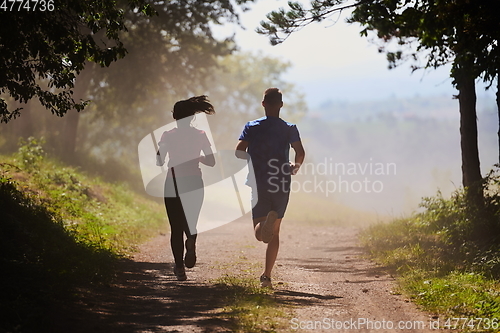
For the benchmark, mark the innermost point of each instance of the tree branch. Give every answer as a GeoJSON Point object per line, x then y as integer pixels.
{"type": "Point", "coordinates": [288, 22]}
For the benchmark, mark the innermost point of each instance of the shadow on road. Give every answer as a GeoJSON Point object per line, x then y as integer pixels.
{"type": "Point", "coordinates": [339, 259]}
{"type": "Point", "coordinates": [145, 298]}
{"type": "Point", "coordinates": [297, 298]}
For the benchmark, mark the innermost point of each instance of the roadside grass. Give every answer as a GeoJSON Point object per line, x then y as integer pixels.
{"type": "Point", "coordinates": [108, 216]}
{"type": "Point", "coordinates": [249, 307]}
{"type": "Point", "coordinates": [447, 258]}
{"type": "Point", "coordinates": [61, 230]}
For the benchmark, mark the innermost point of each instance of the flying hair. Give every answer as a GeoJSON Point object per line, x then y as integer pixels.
{"type": "Point", "coordinates": [191, 106]}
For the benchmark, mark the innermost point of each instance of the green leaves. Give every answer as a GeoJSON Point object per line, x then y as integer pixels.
{"type": "Point", "coordinates": [281, 23]}
{"type": "Point", "coordinates": [42, 53]}
{"type": "Point", "coordinates": [446, 31]}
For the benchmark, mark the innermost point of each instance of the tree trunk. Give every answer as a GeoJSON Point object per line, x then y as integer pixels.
{"type": "Point", "coordinates": [69, 133]}
{"type": "Point", "coordinates": [72, 118]}
{"type": "Point", "coordinates": [471, 172]}
{"type": "Point", "coordinates": [21, 127]}
{"type": "Point", "coordinates": [26, 121]}
{"type": "Point", "coordinates": [498, 111]}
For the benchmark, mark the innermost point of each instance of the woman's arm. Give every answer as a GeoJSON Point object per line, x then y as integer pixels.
{"type": "Point", "coordinates": [208, 158]}
{"type": "Point", "coordinates": [161, 154]}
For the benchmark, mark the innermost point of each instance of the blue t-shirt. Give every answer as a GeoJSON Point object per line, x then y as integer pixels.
{"type": "Point", "coordinates": [269, 140]}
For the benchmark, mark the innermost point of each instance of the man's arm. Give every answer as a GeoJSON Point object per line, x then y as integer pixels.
{"type": "Point", "coordinates": [300, 154]}
{"type": "Point", "coordinates": [241, 149]}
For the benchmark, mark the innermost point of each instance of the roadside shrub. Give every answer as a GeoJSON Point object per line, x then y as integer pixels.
{"type": "Point", "coordinates": [471, 230]}
{"type": "Point", "coordinates": [448, 234]}
{"type": "Point", "coordinates": [31, 153]}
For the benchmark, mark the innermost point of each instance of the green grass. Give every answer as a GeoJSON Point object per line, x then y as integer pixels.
{"type": "Point", "coordinates": [428, 273]}
{"type": "Point", "coordinates": [251, 308]}
{"type": "Point", "coordinates": [447, 258]}
{"type": "Point", "coordinates": [469, 294]}
{"type": "Point", "coordinates": [61, 230]}
{"type": "Point", "coordinates": [109, 216]}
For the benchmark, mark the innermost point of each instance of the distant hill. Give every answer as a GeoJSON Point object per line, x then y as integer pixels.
{"type": "Point", "coordinates": [435, 107]}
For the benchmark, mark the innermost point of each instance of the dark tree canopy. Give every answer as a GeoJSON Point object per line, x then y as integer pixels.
{"type": "Point", "coordinates": [165, 41]}
{"type": "Point", "coordinates": [456, 32]}
{"type": "Point", "coordinates": [42, 52]}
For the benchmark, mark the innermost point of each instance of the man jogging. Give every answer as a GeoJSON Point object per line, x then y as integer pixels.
{"type": "Point", "coordinates": [267, 140]}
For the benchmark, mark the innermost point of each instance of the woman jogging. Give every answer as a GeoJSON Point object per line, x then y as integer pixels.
{"type": "Point", "coordinates": [184, 145]}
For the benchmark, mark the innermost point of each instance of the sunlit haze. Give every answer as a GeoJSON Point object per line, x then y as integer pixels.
{"type": "Point", "coordinates": [367, 113]}
{"type": "Point", "coordinates": [331, 61]}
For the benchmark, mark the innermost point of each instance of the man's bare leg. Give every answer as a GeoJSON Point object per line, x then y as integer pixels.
{"type": "Point", "coordinates": [256, 229]}
{"type": "Point", "coordinates": [272, 246]}
{"type": "Point", "coordinates": [272, 249]}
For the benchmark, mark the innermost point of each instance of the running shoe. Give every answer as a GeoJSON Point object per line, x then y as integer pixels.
{"type": "Point", "coordinates": [265, 281]}
{"type": "Point", "coordinates": [180, 273]}
{"type": "Point", "coordinates": [267, 228]}
{"type": "Point", "coordinates": [190, 257]}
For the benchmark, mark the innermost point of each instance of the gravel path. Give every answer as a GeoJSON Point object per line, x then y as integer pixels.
{"type": "Point", "coordinates": [320, 271]}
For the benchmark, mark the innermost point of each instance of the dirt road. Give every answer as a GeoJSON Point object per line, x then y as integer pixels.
{"type": "Point", "coordinates": [320, 271]}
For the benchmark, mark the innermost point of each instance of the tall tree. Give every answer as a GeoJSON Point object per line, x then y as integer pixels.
{"type": "Point", "coordinates": [498, 112]}
{"type": "Point", "coordinates": [168, 54]}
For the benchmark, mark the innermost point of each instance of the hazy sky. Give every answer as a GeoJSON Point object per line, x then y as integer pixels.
{"type": "Point", "coordinates": [331, 61]}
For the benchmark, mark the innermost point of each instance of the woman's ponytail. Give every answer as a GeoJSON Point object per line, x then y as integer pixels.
{"type": "Point", "coordinates": [191, 106]}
